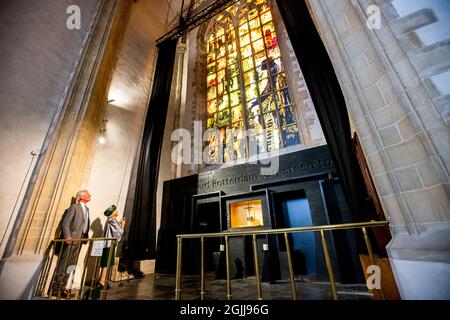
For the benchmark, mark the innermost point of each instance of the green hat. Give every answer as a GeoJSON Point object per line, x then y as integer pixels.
{"type": "Point", "coordinates": [110, 210]}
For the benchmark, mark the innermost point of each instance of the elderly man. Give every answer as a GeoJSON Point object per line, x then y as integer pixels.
{"type": "Point", "coordinates": [74, 225]}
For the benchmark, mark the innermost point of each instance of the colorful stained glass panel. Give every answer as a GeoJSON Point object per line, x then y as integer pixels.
{"type": "Point", "coordinates": [246, 51]}
{"type": "Point", "coordinates": [260, 71]}
{"type": "Point", "coordinates": [210, 57]}
{"type": "Point", "coordinates": [235, 98]}
{"type": "Point", "coordinates": [211, 93]}
{"type": "Point", "coordinates": [211, 68]}
{"type": "Point", "coordinates": [253, 108]}
{"type": "Point", "coordinates": [236, 114]}
{"type": "Point", "coordinates": [255, 122]}
{"type": "Point", "coordinates": [266, 17]}
{"type": "Point", "coordinates": [273, 140]}
{"type": "Point", "coordinates": [290, 136]}
{"type": "Point", "coordinates": [284, 97]}
{"type": "Point", "coordinates": [264, 7]}
{"type": "Point", "coordinates": [221, 63]}
{"type": "Point", "coordinates": [234, 84]}
{"type": "Point", "coordinates": [251, 92]}
{"type": "Point", "coordinates": [256, 34]}
{"type": "Point", "coordinates": [238, 125]}
{"type": "Point", "coordinates": [220, 88]}
{"type": "Point", "coordinates": [260, 57]}
{"type": "Point", "coordinates": [286, 116]}
{"type": "Point", "coordinates": [252, 13]}
{"type": "Point", "coordinates": [258, 45]}
{"type": "Point", "coordinates": [245, 39]}
{"type": "Point", "coordinates": [243, 29]}
{"type": "Point", "coordinates": [249, 77]}
{"type": "Point", "coordinates": [254, 23]}
{"type": "Point", "coordinates": [230, 34]}
{"type": "Point", "coordinates": [247, 64]}
{"type": "Point", "coordinates": [270, 120]}
{"type": "Point", "coordinates": [232, 70]}
{"type": "Point", "coordinates": [211, 106]}
{"type": "Point", "coordinates": [268, 103]}
{"type": "Point", "coordinates": [212, 123]}
{"type": "Point", "coordinates": [224, 118]}
{"type": "Point", "coordinates": [220, 76]}
{"type": "Point", "coordinates": [280, 81]}
{"type": "Point", "coordinates": [263, 85]}
{"type": "Point", "coordinates": [223, 102]}
{"type": "Point", "coordinates": [211, 80]}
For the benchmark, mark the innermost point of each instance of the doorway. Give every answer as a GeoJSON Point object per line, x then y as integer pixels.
{"type": "Point", "coordinates": [208, 220]}
{"type": "Point", "coordinates": [294, 211]}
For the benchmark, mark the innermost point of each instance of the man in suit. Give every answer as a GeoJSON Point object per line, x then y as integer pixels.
{"type": "Point", "coordinates": [74, 225]}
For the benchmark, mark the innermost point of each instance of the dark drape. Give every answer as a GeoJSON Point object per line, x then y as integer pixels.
{"type": "Point", "coordinates": [326, 94]}
{"type": "Point", "coordinates": [141, 241]}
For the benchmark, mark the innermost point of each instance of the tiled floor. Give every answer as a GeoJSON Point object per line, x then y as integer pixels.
{"type": "Point", "coordinates": [162, 287]}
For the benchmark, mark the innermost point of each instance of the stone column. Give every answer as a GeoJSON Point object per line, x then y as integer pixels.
{"type": "Point", "coordinates": [167, 169]}
{"type": "Point", "coordinates": [178, 106]}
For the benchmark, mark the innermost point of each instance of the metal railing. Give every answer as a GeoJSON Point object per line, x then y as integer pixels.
{"type": "Point", "coordinates": [323, 229]}
{"type": "Point", "coordinates": [46, 286]}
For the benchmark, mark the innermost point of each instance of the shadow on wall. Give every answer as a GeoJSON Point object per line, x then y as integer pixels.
{"type": "Point", "coordinates": [97, 228]}
{"type": "Point", "coordinates": [93, 266]}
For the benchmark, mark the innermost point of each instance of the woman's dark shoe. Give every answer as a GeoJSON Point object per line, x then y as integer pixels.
{"type": "Point", "coordinates": [138, 274]}
{"type": "Point", "coordinates": [102, 286]}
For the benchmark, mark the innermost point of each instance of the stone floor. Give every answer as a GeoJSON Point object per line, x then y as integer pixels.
{"type": "Point", "coordinates": [162, 287]}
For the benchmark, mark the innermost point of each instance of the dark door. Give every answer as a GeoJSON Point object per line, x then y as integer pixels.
{"type": "Point", "coordinates": [295, 212]}
{"type": "Point", "coordinates": [208, 220]}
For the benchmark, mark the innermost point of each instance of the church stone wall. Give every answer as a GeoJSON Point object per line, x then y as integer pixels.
{"type": "Point", "coordinates": [404, 136]}
{"type": "Point", "coordinates": [35, 71]}
{"type": "Point", "coordinates": [67, 150]}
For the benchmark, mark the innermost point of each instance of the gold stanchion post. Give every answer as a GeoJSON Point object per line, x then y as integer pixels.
{"type": "Point", "coordinates": [179, 269]}
{"type": "Point", "coordinates": [258, 278]}
{"type": "Point", "coordinates": [371, 257]}
{"type": "Point", "coordinates": [291, 268]}
{"type": "Point", "coordinates": [329, 267]}
{"type": "Point", "coordinates": [202, 268]}
{"type": "Point", "coordinates": [227, 255]}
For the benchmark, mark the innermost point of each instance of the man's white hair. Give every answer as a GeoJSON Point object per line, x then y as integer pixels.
{"type": "Point", "coordinates": [79, 194]}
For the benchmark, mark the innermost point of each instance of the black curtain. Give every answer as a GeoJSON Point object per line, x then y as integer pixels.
{"type": "Point", "coordinates": [141, 241]}
{"type": "Point", "coordinates": [327, 96]}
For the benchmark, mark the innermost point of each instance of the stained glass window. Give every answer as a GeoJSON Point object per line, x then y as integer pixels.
{"type": "Point", "coordinates": [246, 81]}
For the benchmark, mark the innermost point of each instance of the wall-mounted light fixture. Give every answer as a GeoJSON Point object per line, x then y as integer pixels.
{"type": "Point", "coordinates": [102, 135]}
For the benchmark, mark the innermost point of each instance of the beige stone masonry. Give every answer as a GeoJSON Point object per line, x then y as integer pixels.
{"type": "Point", "coordinates": [66, 162]}
{"type": "Point", "coordinates": [391, 109]}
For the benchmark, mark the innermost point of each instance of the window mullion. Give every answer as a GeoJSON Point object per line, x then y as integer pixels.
{"type": "Point", "coordinates": [241, 79]}
{"type": "Point", "coordinates": [272, 84]}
